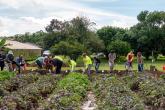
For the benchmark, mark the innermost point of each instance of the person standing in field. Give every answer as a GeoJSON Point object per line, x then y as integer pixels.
{"type": "Point", "coordinates": [72, 65]}
{"type": "Point", "coordinates": [20, 62]}
{"type": "Point", "coordinates": [130, 58]}
{"type": "Point", "coordinates": [140, 62]}
{"type": "Point", "coordinates": [87, 63]}
{"type": "Point", "coordinates": [97, 63]}
{"type": "Point", "coordinates": [112, 57]}
{"type": "Point", "coordinates": [2, 60]}
{"type": "Point", "coordinates": [10, 60]}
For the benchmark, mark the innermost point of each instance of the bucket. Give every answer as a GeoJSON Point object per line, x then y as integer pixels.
{"type": "Point", "coordinates": [164, 67]}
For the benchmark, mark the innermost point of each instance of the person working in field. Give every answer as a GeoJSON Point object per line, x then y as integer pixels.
{"type": "Point", "coordinates": [10, 60]}
{"type": "Point", "coordinates": [96, 63]}
{"type": "Point", "coordinates": [130, 58]}
{"type": "Point", "coordinates": [87, 63]}
{"type": "Point", "coordinates": [140, 62]}
{"type": "Point", "coordinates": [57, 62]}
{"type": "Point", "coordinates": [40, 62]}
{"type": "Point", "coordinates": [2, 60]}
{"type": "Point", "coordinates": [48, 65]}
{"type": "Point", "coordinates": [20, 62]}
{"type": "Point", "coordinates": [72, 65]}
{"type": "Point", "coordinates": [112, 57]}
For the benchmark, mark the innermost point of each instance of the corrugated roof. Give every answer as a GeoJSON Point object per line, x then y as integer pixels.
{"type": "Point", "coordinates": [19, 45]}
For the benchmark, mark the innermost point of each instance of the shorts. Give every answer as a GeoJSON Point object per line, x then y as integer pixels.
{"type": "Point", "coordinates": [111, 64]}
{"type": "Point", "coordinates": [128, 65]}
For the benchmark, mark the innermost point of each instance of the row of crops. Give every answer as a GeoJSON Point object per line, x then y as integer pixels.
{"type": "Point", "coordinates": [43, 92]}
{"type": "Point", "coordinates": [6, 75]}
{"type": "Point", "coordinates": [139, 92]}
{"type": "Point", "coordinates": [57, 92]}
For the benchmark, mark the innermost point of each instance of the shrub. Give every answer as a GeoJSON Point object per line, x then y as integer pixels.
{"type": "Point", "coordinates": [153, 92]}
{"type": "Point", "coordinates": [18, 82]}
{"type": "Point", "coordinates": [113, 94]}
{"type": "Point", "coordinates": [27, 91]}
{"type": "Point", "coordinates": [73, 49]}
{"type": "Point", "coordinates": [80, 61]}
{"type": "Point", "coordinates": [70, 92]}
{"type": "Point", "coordinates": [120, 47]}
{"type": "Point", "coordinates": [6, 75]}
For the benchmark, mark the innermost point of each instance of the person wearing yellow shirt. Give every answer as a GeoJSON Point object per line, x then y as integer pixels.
{"type": "Point", "coordinates": [87, 63]}
{"type": "Point", "coordinates": [59, 58]}
{"type": "Point", "coordinates": [72, 65]}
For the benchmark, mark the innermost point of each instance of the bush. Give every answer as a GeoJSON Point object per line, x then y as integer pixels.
{"type": "Point", "coordinates": [80, 61]}
{"type": "Point", "coordinates": [121, 59]}
{"type": "Point", "coordinates": [6, 75]}
{"type": "Point", "coordinates": [113, 94]}
{"type": "Point", "coordinates": [26, 91]}
{"type": "Point", "coordinates": [70, 92]}
{"type": "Point", "coordinates": [120, 47]}
{"type": "Point", "coordinates": [18, 82]}
{"type": "Point", "coordinates": [75, 83]}
{"type": "Point", "coordinates": [73, 49]}
{"type": "Point", "coordinates": [153, 92]}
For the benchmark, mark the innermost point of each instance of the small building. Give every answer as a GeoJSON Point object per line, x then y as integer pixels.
{"type": "Point", "coordinates": [29, 51]}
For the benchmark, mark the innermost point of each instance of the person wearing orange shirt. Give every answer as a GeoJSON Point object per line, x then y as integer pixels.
{"type": "Point", "coordinates": [130, 58]}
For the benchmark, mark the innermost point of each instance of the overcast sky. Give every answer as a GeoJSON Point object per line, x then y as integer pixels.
{"type": "Point", "coordinates": [20, 16]}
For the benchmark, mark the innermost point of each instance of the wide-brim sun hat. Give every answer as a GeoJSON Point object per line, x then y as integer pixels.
{"type": "Point", "coordinates": [10, 52]}
{"type": "Point", "coordinates": [46, 52]}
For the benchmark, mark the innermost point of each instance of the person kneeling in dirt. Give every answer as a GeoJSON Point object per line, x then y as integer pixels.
{"type": "Point", "coordinates": [72, 64]}
{"type": "Point", "coordinates": [112, 57]}
{"type": "Point", "coordinates": [20, 62]}
{"type": "Point", "coordinates": [128, 64]}
{"type": "Point", "coordinates": [87, 63]}
{"type": "Point", "coordinates": [40, 62]}
{"type": "Point", "coordinates": [140, 62]}
{"type": "Point", "coordinates": [57, 62]}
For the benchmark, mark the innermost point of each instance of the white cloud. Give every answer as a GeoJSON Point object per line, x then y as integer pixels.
{"type": "Point", "coordinates": [4, 33]}
{"type": "Point", "coordinates": [37, 21]}
{"type": "Point", "coordinates": [59, 9]}
{"type": "Point", "coordinates": [99, 0]}
{"type": "Point", "coordinates": [20, 25]}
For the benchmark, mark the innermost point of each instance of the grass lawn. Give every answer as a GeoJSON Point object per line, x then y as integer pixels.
{"type": "Point", "coordinates": [120, 66]}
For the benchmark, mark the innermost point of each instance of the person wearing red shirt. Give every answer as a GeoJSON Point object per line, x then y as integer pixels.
{"type": "Point", "coordinates": [130, 57]}
{"type": "Point", "coordinates": [140, 61]}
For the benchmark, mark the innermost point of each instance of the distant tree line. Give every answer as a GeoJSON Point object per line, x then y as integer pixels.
{"type": "Point", "coordinates": [78, 35]}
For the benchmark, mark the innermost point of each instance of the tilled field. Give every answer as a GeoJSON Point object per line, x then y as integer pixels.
{"type": "Point", "coordinates": [43, 92]}
{"type": "Point", "coordinates": [76, 91]}
{"type": "Point", "coordinates": [137, 92]}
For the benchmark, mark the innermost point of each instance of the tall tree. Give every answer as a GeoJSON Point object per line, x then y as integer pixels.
{"type": "Point", "coordinates": [149, 32]}
{"type": "Point", "coordinates": [109, 34]}
{"type": "Point", "coordinates": [78, 30]}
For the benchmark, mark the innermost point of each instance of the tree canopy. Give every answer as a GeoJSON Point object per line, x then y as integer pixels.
{"type": "Point", "coordinates": [149, 33]}
{"type": "Point", "coordinates": [78, 35]}
{"type": "Point", "coordinates": [78, 30]}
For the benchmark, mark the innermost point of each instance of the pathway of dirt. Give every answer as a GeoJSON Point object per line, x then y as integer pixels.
{"type": "Point", "coordinates": [90, 103]}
